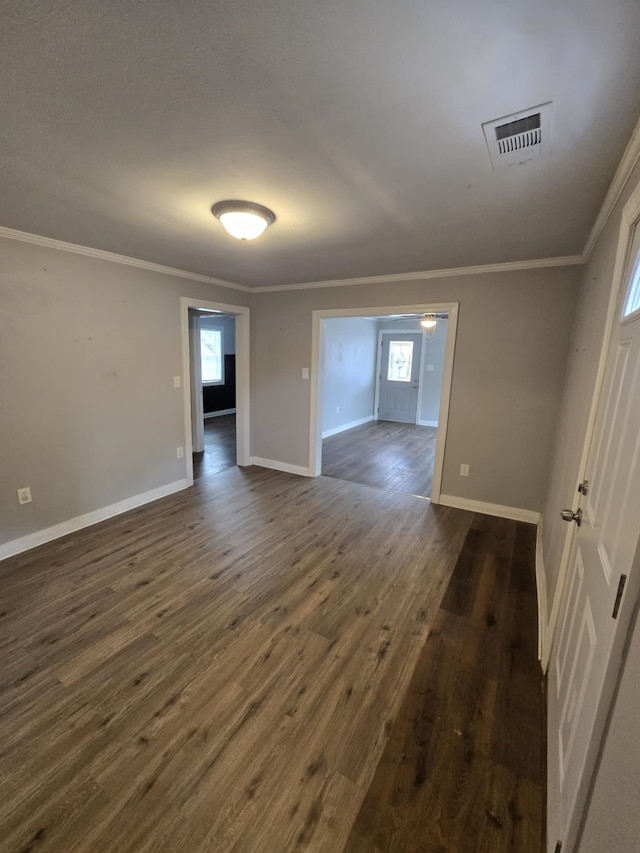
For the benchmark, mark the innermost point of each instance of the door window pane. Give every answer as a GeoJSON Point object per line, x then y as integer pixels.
{"type": "Point", "coordinates": [211, 355]}
{"type": "Point", "coordinates": [400, 359]}
{"type": "Point", "coordinates": [632, 302]}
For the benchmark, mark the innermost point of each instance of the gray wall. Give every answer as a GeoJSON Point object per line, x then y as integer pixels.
{"type": "Point", "coordinates": [512, 342]}
{"type": "Point", "coordinates": [432, 379]}
{"type": "Point", "coordinates": [88, 350]}
{"type": "Point", "coordinates": [349, 371]}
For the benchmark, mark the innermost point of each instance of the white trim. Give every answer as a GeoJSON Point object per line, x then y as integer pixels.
{"type": "Point", "coordinates": [511, 512]}
{"type": "Point", "coordinates": [275, 465]}
{"type": "Point", "coordinates": [481, 269]}
{"type": "Point", "coordinates": [622, 175]}
{"type": "Point", "coordinates": [101, 255]}
{"type": "Point", "coordinates": [219, 414]}
{"type": "Point", "coordinates": [329, 432]}
{"type": "Point", "coordinates": [428, 423]}
{"type": "Point", "coordinates": [541, 587]}
{"type": "Point", "coordinates": [41, 537]}
{"type": "Point", "coordinates": [446, 381]}
{"type": "Point", "coordinates": [243, 411]}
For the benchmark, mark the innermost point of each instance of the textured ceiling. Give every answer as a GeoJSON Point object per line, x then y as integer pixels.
{"type": "Point", "coordinates": [357, 121]}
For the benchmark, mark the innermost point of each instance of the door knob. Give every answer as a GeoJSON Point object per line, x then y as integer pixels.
{"type": "Point", "coordinates": [570, 515]}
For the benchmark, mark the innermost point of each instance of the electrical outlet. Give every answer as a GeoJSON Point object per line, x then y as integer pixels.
{"type": "Point", "coordinates": [305, 372]}
{"type": "Point", "coordinates": [337, 410]}
{"type": "Point", "coordinates": [24, 495]}
{"type": "Point", "coordinates": [177, 382]}
{"type": "Point", "coordinates": [179, 452]}
{"type": "Point", "coordinates": [464, 470]}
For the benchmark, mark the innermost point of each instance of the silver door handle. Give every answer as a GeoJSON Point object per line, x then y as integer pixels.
{"type": "Point", "coordinates": [570, 515]}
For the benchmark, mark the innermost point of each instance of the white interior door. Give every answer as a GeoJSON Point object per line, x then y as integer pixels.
{"type": "Point", "coordinates": [603, 553]}
{"type": "Point", "coordinates": [400, 377]}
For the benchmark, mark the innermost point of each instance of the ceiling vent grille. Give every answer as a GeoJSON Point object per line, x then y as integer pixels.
{"type": "Point", "coordinates": [518, 138]}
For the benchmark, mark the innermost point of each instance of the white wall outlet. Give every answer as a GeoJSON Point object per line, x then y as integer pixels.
{"type": "Point", "coordinates": [430, 368]}
{"type": "Point", "coordinates": [24, 495]}
{"type": "Point", "coordinates": [305, 372]}
{"type": "Point", "coordinates": [177, 382]}
{"type": "Point", "coordinates": [337, 410]}
{"type": "Point", "coordinates": [179, 452]}
{"type": "Point", "coordinates": [464, 470]}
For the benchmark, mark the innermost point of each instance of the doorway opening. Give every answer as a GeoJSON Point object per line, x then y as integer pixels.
{"type": "Point", "coordinates": [214, 344]}
{"type": "Point", "coordinates": [215, 354]}
{"type": "Point", "coordinates": [379, 405]}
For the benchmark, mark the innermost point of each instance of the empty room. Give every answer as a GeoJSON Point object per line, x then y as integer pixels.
{"type": "Point", "coordinates": [320, 405]}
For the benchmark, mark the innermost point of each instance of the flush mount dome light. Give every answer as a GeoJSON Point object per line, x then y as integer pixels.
{"type": "Point", "coordinates": [244, 220]}
{"type": "Point", "coordinates": [430, 321]}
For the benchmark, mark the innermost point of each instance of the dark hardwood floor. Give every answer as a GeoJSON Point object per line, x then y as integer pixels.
{"type": "Point", "coordinates": [219, 447]}
{"type": "Point", "coordinates": [266, 663]}
{"type": "Point", "coordinates": [397, 457]}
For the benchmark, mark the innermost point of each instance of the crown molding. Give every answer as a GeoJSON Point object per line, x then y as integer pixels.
{"type": "Point", "coordinates": [100, 254]}
{"type": "Point", "coordinates": [627, 164]}
{"type": "Point", "coordinates": [568, 260]}
{"type": "Point", "coordinates": [622, 175]}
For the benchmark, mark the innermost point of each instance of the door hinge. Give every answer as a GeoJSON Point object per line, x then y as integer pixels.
{"type": "Point", "coordinates": [616, 606]}
{"type": "Point", "coordinates": [583, 488]}
{"type": "Point", "coordinates": [558, 847]}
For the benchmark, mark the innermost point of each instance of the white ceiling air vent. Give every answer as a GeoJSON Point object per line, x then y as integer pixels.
{"type": "Point", "coordinates": [518, 138]}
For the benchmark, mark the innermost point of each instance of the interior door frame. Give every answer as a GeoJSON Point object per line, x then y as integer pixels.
{"type": "Point", "coordinates": [317, 376]}
{"type": "Point", "coordinates": [243, 409]}
{"type": "Point", "coordinates": [629, 219]}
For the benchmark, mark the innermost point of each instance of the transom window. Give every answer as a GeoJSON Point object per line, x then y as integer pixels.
{"type": "Point", "coordinates": [632, 302]}
{"type": "Point", "coordinates": [400, 361]}
{"type": "Point", "coordinates": [211, 356]}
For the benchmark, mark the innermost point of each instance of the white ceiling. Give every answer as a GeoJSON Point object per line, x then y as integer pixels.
{"type": "Point", "coordinates": [358, 122]}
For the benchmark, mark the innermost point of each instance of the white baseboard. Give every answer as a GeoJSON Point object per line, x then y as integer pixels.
{"type": "Point", "coordinates": [428, 423]}
{"type": "Point", "coordinates": [41, 537]}
{"type": "Point", "coordinates": [275, 465]}
{"type": "Point", "coordinates": [329, 432]}
{"type": "Point", "coordinates": [541, 586]}
{"type": "Point", "coordinates": [219, 414]}
{"type": "Point", "coordinates": [514, 513]}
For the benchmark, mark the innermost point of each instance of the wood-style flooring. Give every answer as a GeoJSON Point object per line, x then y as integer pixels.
{"type": "Point", "coordinates": [266, 663]}
{"type": "Point", "coordinates": [219, 447]}
{"type": "Point", "coordinates": [397, 457]}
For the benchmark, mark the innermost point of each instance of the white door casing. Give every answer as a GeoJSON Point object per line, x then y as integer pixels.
{"type": "Point", "coordinates": [398, 400]}
{"type": "Point", "coordinates": [589, 640]}
{"type": "Point", "coordinates": [195, 365]}
{"type": "Point", "coordinates": [319, 316]}
{"type": "Point", "coordinates": [243, 415]}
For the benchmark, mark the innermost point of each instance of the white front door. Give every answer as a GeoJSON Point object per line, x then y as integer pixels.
{"type": "Point", "coordinates": [602, 561]}
{"type": "Point", "coordinates": [399, 377]}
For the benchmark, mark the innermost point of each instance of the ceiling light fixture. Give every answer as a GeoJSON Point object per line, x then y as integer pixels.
{"type": "Point", "coordinates": [244, 220]}
{"type": "Point", "coordinates": [430, 321]}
